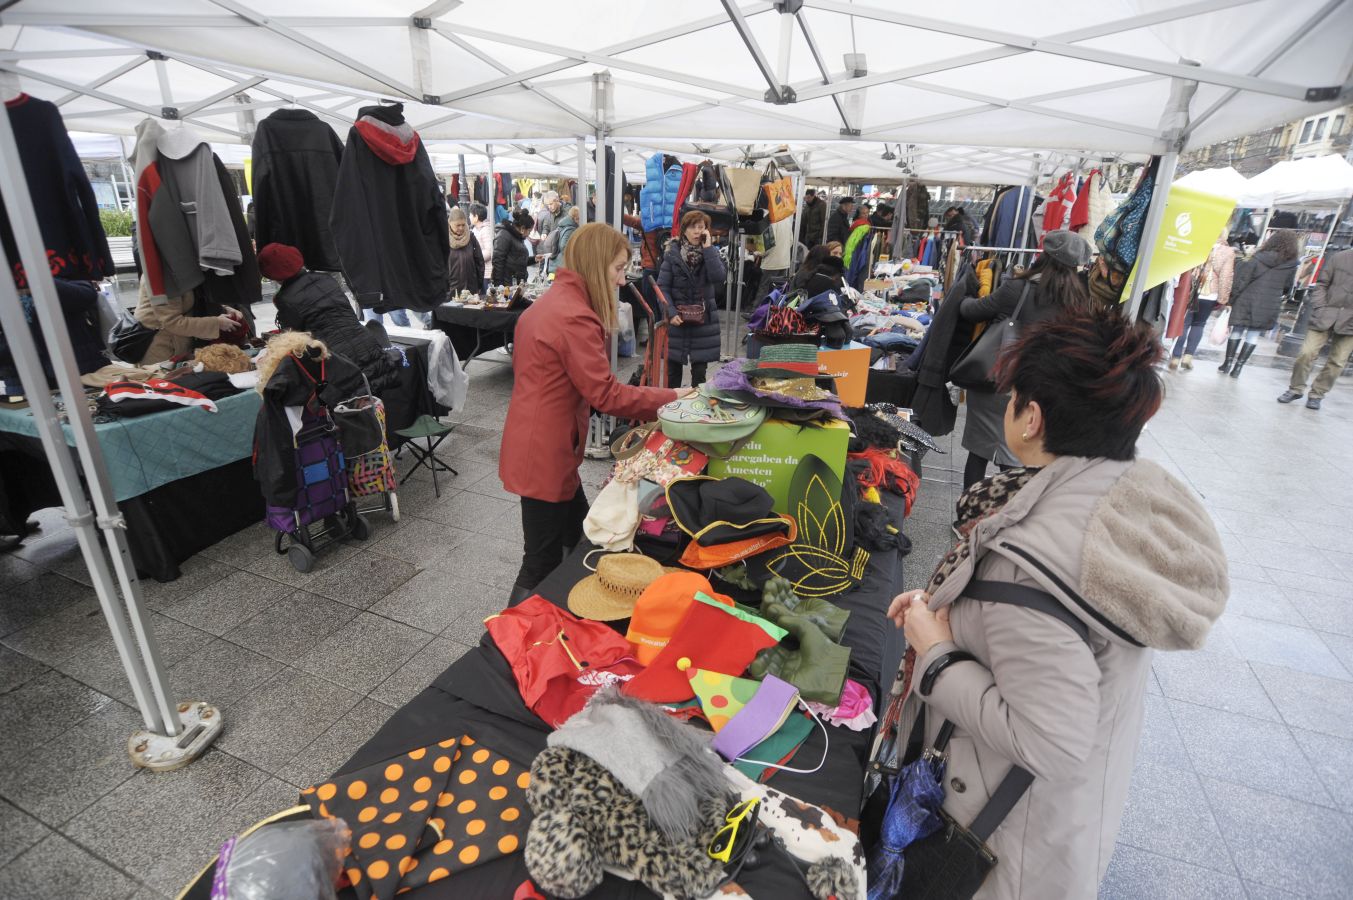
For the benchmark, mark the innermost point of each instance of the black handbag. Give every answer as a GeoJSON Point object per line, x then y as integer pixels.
{"type": "Point", "coordinates": [974, 369]}
{"type": "Point", "coordinates": [711, 181]}
{"type": "Point", "coordinates": [359, 426]}
{"type": "Point", "coordinates": [129, 340]}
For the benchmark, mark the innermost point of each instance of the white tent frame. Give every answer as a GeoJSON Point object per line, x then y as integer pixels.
{"type": "Point", "coordinates": [353, 84]}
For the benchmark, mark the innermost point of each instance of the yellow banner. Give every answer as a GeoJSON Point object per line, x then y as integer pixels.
{"type": "Point", "coordinates": [1192, 223]}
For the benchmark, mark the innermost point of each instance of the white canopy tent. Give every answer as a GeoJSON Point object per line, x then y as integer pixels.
{"type": "Point", "coordinates": [1322, 182]}
{"type": "Point", "coordinates": [975, 91]}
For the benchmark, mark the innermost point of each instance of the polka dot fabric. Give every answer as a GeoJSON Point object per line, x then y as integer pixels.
{"type": "Point", "coordinates": [426, 815]}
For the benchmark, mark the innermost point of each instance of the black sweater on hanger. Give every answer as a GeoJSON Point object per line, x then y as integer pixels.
{"type": "Point", "coordinates": [295, 171]}
{"type": "Point", "coordinates": [68, 215]}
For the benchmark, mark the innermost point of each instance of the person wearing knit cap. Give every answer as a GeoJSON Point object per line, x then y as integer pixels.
{"type": "Point", "coordinates": [279, 262]}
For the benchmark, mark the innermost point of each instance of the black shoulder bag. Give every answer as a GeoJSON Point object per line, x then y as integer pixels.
{"type": "Point", "coordinates": [974, 370]}
{"type": "Point", "coordinates": [953, 861]}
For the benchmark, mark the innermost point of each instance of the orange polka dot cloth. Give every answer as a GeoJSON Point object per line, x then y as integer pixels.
{"type": "Point", "coordinates": [426, 815]}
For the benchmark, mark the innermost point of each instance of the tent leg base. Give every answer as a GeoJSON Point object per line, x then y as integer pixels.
{"type": "Point", "coordinates": [161, 753]}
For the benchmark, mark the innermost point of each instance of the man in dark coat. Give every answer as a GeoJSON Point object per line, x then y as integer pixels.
{"type": "Point", "coordinates": [1331, 323]}
{"type": "Point", "coordinates": [389, 215]}
{"type": "Point", "coordinates": [838, 226]}
{"type": "Point", "coordinates": [295, 171]}
{"type": "Point", "coordinates": [812, 219]}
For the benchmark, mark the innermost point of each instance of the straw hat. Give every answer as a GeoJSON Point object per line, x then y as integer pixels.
{"type": "Point", "coordinates": [611, 593]}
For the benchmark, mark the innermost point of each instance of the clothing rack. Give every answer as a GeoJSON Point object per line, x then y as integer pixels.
{"type": "Point", "coordinates": [1003, 249]}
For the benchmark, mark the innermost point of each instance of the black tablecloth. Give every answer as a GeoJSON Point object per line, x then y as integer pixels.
{"type": "Point", "coordinates": [473, 331]}
{"type": "Point", "coordinates": [169, 524]}
{"type": "Point", "coordinates": [477, 695]}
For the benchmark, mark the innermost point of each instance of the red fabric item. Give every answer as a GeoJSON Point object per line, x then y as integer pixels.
{"type": "Point", "coordinates": [1063, 197]}
{"type": "Point", "coordinates": [279, 261]}
{"type": "Point", "coordinates": [1080, 210]}
{"type": "Point", "coordinates": [146, 187]}
{"type": "Point", "coordinates": [1182, 295]}
{"type": "Point", "coordinates": [688, 173]}
{"type": "Point", "coordinates": [563, 372]}
{"type": "Point", "coordinates": [559, 660]}
{"type": "Point", "coordinates": [709, 637]}
{"type": "Point", "coordinates": [385, 143]}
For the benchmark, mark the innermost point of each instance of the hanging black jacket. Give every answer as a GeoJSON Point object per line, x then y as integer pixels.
{"type": "Point", "coordinates": [949, 334]}
{"type": "Point", "coordinates": [313, 302]}
{"type": "Point", "coordinates": [68, 216]}
{"type": "Point", "coordinates": [295, 171]}
{"type": "Point", "coordinates": [389, 215]}
{"type": "Point", "coordinates": [510, 258]}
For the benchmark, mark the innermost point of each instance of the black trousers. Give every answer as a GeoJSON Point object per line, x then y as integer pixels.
{"type": "Point", "coordinates": [549, 528]}
{"type": "Point", "coordinates": [976, 469]}
{"type": "Point", "coordinates": [674, 374]}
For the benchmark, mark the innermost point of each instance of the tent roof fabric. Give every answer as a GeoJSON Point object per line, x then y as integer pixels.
{"type": "Point", "coordinates": [1089, 77]}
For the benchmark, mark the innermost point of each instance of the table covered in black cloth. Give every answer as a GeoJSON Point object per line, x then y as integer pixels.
{"type": "Point", "coordinates": [478, 695]}
{"type": "Point", "coordinates": [473, 331]}
{"type": "Point", "coordinates": [170, 523]}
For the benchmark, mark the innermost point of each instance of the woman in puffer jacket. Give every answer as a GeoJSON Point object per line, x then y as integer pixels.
{"type": "Point", "coordinates": [1257, 296]}
{"type": "Point", "coordinates": [1035, 636]}
{"type": "Point", "coordinates": [313, 302]}
{"type": "Point", "coordinates": [510, 256]}
{"type": "Point", "coordinates": [691, 273]}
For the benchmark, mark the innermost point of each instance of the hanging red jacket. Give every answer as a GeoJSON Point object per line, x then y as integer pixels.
{"type": "Point", "coordinates": [1059, 204]}
{"type": "Point", "coordinates": [559, 660]}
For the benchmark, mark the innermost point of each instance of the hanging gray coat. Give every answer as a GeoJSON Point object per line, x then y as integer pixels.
{"type": "Point", "coordinates": [682, 286]}
{"type": "Point", "coordinates": [1257, 290]}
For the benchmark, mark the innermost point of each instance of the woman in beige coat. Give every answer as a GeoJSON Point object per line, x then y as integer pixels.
{"type": "Point", "coordinates": [175, 327]}
{"type": "Point", "coordinates": [1126, 561]}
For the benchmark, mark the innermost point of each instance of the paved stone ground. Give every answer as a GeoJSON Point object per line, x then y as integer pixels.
{"type": "Point", "coordinates": [1244, 783]}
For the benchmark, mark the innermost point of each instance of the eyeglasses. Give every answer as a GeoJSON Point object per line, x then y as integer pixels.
{"type": "Point", "coordinates": [737, 834]}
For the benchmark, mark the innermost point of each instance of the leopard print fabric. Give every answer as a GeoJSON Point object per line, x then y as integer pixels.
{"type": "Point", "coordinates": [586, 823]}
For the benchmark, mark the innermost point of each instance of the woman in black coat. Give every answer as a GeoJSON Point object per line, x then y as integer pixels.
{"type": "Point", "coordinates": [1053, 285]}
{"type": "Point", "coordinates": [691, 273]}
{"type": "Point", "coordinates": [510, 256]}
{"type": "Point", "coordinates": [821, 271]}
{"type": "Point", "coordinates": [1257, 296]}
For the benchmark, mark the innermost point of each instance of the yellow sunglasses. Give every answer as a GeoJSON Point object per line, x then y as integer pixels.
{"type": "Point", "coordinates": [726, 838]}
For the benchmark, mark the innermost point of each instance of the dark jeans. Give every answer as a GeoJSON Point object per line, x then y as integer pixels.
{"type": "Point", "coordinates": [1195, 326]}
{"type": "Point", "coordinates": [549, 529]}
{"type": "Point", "coordinates": [674, 374]}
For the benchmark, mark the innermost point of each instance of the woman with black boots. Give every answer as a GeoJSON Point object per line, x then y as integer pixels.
{"type": "Point", "coordinates": [1257, 296]}
{"type": "Point", "coordinates": [691, 273]}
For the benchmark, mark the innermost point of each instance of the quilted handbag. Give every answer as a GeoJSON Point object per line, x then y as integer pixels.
{"type": "Point", "coordinates": [779, 191]}
{"type": "Point", "coordinates": [704, 421]}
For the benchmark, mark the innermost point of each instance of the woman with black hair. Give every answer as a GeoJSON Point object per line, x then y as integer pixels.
{"type": "Point", "coordinates": [510, 256]}
{"type": "Point", "coordinates": [821, 271]}
{"type": "Point", "coordinates": [1052, 284]}
{"type": "Point", "coordinates": [1257, 291]}
{"type": "Point", "coordinates": [1034, 637]}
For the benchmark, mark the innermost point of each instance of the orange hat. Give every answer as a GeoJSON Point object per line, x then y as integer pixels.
{"type": "Point", "coordinates": [660, 609]}
{"type": "Point", "coordinates": [716, 556]}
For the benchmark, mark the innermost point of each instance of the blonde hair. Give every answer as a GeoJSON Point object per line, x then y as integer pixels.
{"type": "Point", "coordinates": [590, 253]}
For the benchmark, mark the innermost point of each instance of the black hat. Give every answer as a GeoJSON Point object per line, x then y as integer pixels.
{"type": "Point", "coordinates": [721, 510]}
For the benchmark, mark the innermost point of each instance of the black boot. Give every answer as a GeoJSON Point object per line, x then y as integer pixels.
{"type": "Point", "coordinates": [1232, 346]}
{"type": "Point", "coordinates": [519, 594]}
{"type": "Point", "coordinates": [1245, 353]}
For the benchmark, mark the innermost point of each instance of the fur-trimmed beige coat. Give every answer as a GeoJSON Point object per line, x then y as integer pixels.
{"type": "Point", "coordinates": [1132, 553]}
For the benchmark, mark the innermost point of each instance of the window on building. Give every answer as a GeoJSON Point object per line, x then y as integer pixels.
{"type": "Point", "coordinates": [1320, 129]}
{"type": "Point", "coordinates": [1338, 128]}
{"type": "Point", "coordinates": [1306, 131]}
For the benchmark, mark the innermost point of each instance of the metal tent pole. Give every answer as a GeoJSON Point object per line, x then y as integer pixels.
{"type": "Point", "coordinates": [1174, 127]}
{"type": "Point", "coordinates": [163, 744]}
{"type": "Point", "coordinates": [736, 247]}
{"type": "Point", "coordinates": [582, 181]}
{"type": "Point", "coordinates": [617, 187]}
{"type": "Point", "coordinates": [492, 189]}
{"type": "Point", "coordinates": [600, 179]}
